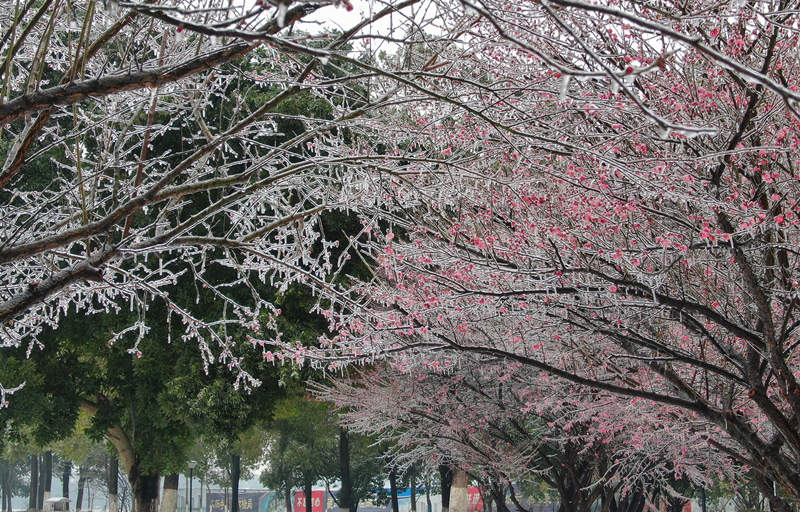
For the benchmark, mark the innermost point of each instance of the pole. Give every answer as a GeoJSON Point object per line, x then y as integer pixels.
{"type": "Point", "coordinates": [190, 489]}
{"type": "Point", "coordinates": [703, 496]}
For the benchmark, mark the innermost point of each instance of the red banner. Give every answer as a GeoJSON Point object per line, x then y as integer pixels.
{"type": "Point", "coordinates": [317, 501]}
{"type": "Point", "coordinates": [474, 500]}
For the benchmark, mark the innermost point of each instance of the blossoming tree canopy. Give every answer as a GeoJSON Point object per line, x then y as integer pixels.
{"type": "Point", "coordinates": [608, 193]}
{"type": "Point", "coordinates": [605, 192]}
{"type": "Point", "coordinates": [509, 422]}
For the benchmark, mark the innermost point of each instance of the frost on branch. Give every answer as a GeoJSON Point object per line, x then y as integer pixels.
{"type": "Point", "coordinates": [604, 197]}
{"type": "Point", "coordinates": [5, 393]}
{"type": "Point", "coordinates": [510, 423]}
{"type": "Point", "coordinates": [162, 155]}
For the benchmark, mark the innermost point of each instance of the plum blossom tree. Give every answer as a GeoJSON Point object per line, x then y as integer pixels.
{"type": "Point", "coordinates": [604, 192]}
{"type": "Point", "coordinates": [505, 423]}
{"type": "Point", "coordinates": [607, 193]}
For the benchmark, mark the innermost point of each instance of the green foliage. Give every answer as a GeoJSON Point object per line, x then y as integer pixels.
{"type": "Point", "coordinates": [302, 445]}
{"type": "Point", "coordinates": [77, 446]}
{"type": "Point", "coordinates": [46, 405]}
{"type": "Point", "coordinates": [366, 467]}
{"type": "Point", "coordinates": [537, 491]}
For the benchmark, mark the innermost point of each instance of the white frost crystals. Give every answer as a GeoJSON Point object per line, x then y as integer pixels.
{"type": "Point", "coordinates": [139, 179]}
{"type": "Point", "coordinates": [5, 394]}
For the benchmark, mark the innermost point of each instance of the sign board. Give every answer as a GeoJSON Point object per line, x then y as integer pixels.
{"type": "Point", "coordinates": [249, 501]}
{"type": "Point", "coordinates": [474, 500]}
{"type": "Point", "coordinates": [317, 501]}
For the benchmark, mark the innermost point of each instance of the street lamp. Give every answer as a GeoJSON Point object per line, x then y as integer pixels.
{"type": "Point", "coordinates": [192, 465]}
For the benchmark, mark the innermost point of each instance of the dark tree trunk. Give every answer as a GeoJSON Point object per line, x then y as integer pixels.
{"type": "Point", "coordinates": [634, 501]}
{"type": "Point", "coordinates": [9, 493]}
{"type": "Point", "coordinates": [145, 491]}
{"type": "Point", "coordinates": [573, 480]}
{"type": "Point", "coordinates": [446, 475]}
{"type": "Point", "coordinates": [309, 497]}
{"type": "Point", "coordinates": [40, 489]}
{"type": "Point", "coordinates": [48, 474]}
{"type": "Point", "coordinates": [393, 487]}
{"type": "Point", "coordinates": [235, 473]}
{"type": "Point", "coordinates": [499, 497]}
{"type": "Point", "coordinates": [4, 470]}
{"type": "Point", "coordinates": [287, 498]}
{"type": "Point", "coordinates": [413, 485]}
{"type": "Point", "coordinates": [81, 485]}
{"type": "Point", "coordinates": [112, 482]}
{"type": "Point", "coordinates": [34, 487]}
{"type": "Point", "coordinates": [346, 494]}
{"type": "Point", "coordinates": [767, 488]}
{"type": "Point", "coordinates": [574, 499]}
{"type": "Point", "coordinates": [675, 504]}
{"type": "Point", "coordinates": [428, 495]}
{"type": "Point", "coordinates": [66, 472]}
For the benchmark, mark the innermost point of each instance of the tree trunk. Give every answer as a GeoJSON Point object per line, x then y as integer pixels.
{"type": "Point", "coordinates": [66, 472]}
{"type": "Point", "coordinates": [413, 485]}
{"type": "Point", "coordinates": [81, 485]}
{"type": "Point", "coordinates": [112, 481]}
{"type": "Point", "coordinates": [235, 473]}
{"type": "Point", "coordinates": [675, 504]}
{"type": "Point", "coordinates": [4, 470]}
{"type": "Point", "coordinates": [486, 498]}
{"type": "Point", "coordinates": [346, 493]}
{"type": "Point", "coordinates": [34, 486]}
{"type": "Point", "coordinates": [145, 491]}
{"type": "Point", "coordinates": [458, 492]}
{"type": "Point", "coordinates": [48, 475]}
{"type": "Point", "coordinates": [40, 488]}
{"type": "Point", "coordinates": [428, 494]}
{"type": "Point", "coordinates": [309, 497]}
{"type": "Point", "coordinates": [393, 488]}
{"type": "Point", "coordinates": [287, 498]}
{"type": "Point", "coordinates": [169, 498]}
{"type": "Point", "coordinates": [499, 497]}
{"type": "Point", "coordinates": [577, 499]}
{"type": "Point", "coordinates": [446, 475]}
{"type": "Point", "coordinates": [10, 494]}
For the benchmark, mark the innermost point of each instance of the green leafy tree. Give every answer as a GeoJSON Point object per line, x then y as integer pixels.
{"type": "Point", "coordinates": [303, 446]}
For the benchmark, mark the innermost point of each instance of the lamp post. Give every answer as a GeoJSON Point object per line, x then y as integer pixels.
{"type": "Point", "coordinates": [192, 465]}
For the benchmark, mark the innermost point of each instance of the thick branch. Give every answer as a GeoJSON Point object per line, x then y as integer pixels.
{"type": "Point", "coordinates": [75, 92]}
